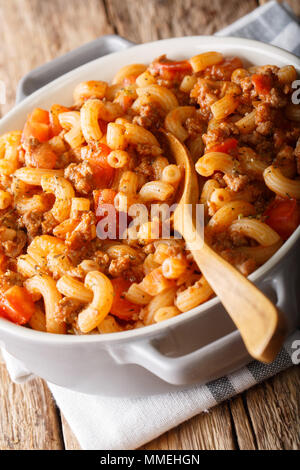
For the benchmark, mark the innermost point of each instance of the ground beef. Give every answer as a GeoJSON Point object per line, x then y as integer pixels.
{"type": "Point", "coordinates": [151, 116]}
{"type": "Point", "coordinates": [205, 95]}
{"type": "Point", "coordinates": [149, 249]}
{"type": "Point", "coordinates": [32, 221]}
{"type": "Point", "coordinates": [245, 265]}
{"type": "Point", "coordinates": [10, 279]}
{"type": "Point", "coordinates": [87, 251]}
{"type": "Point", "coordinates": [83, 233]}
{"type": "Point", "coordinates": [102, 259]}
{"type": "Point", "coordinates": [183, 98]}
{"type": "Point", "coordinates": [276, 98]}
{"type": "Point", "coordinates": [77, 272]}
{"type": "Point", "coordinates": [76, 154]}
{"type": "Point", "coordinates": [81, 176]}
{"type": "Point", "coordinates": [194, 126]}
{"type": "Point", "coordinates": [13, 248]}
{"type": "Point", "coordinates": [9, 218]}
{"type": "Point", "coordinates": [278, 138]}
{"type": "Point", "coordinates": [238, 239]}
{"type": "Point", "coordinates": [64, 159]}
{"type": "Point", "coordinates": [221, 242]}
{"type": "Point", "coordinates": [220, 133]}
{"type": "Point", "coordinates": [265, 119]}
{"type": "Point", "coordinates": [68, 310]}
{"type": "Point", "coordinates": [244, 108]}
{"type": "Point", "coordinates": [148, 150]}
{"type": "Point", "coordinates": [265, 128]}
{"type": "Point", "coordinates": [219, 177]}
{"type": "Point", "coordinates": [292, 134]}
{"type": "Point", "coordinates": [263, 145]}
{"type": "Point", "coordinates": [229, 128]}
{"type": "Point", "coordinates": [49, 223]}
{"type": "Point", "coordinates": [119, 265]}
{"type": "Point", "coordinates": [236, 183]}
{"type": "Point", "coordinates": [285, 159]}
{"type": "Point", "coordinates": [248, 91]}
{"type": "Point", "coordinates": [257, 190]}
{"type": "Point", "coordinates": [145, 168]}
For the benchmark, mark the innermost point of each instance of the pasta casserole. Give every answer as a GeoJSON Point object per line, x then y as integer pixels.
{"type": "Point", "coordinates": [76, 256]}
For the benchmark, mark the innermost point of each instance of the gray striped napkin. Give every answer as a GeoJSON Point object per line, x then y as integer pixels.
{"type": "Point", "coordinates": [273, 23]}
{"type": "Point", "coordinates": [128, 423]}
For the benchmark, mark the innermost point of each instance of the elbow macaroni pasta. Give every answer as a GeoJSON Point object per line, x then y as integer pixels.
{"type": "Point", "coordinates": [156, 93]}
{"type": "Point", "coordinates": [64, 193]}
{"type": "Point", "coordinates": [59, 173]}
{"type": "Point", "coordinates": [215, 161]}
{"type": "Point", "coordinates": [98, 309]}
{"type": "Point", "coordinates": [284, 187]}
{"type": "Point", "coordinates": [70, 121]}
{"type": "Point", "coordinates": [175, 119]}
{"type": "Point", "coordinates": [46, 286]}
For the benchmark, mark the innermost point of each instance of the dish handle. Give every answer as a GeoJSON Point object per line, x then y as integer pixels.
{"type": "Point", "coordinates": [201, 365]}
{"type": "Point", "coordinates": [282, 287]}
{"type": "Point", "coordinates": [227, 353]}
{"type": "Point", "coordinates": [44, 74]}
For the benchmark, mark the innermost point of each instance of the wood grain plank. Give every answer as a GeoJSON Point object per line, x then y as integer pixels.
{"type": "Point", "coordinates": [211, 430]}
{"type": "Point", "coordinates": [274, 408]}
{"type": "Point", "coordinates": [28, 416]}
{"type": "Point", "coordinates": [48, 29]}
{"type": "Point", "coordinates": [33, 32]}
{"type": "Point", "coordinates": [295, 4]}
{"type": "Point", "coordinates": [151, 20]}
{"type": "Point", "coordinates": [242, 424]}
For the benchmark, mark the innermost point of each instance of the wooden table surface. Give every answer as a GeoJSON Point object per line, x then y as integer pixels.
{"type": "Point", "coordinates": [35, 31]}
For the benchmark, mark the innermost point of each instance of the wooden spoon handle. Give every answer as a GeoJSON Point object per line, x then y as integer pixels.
{"type": "Point", "coordinates": [261, 324]}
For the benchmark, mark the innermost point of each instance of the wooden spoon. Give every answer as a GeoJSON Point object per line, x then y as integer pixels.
{"type": "Point", "coordinates": [261, 324]}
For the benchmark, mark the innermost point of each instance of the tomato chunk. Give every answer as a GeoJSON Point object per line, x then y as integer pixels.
{"type": "Point", "coordinates": [16, 305]}
{"type": "Point", "coordinates": [55, 111]}
{"type": "Point", "coordinates": [37, 125]}
{"type": "Point", "coordinates": [104, 208]}
{"type": "Point", "coordinates": [169, 70]}
{"type": "Point", "coordinates": [225, 147]}
{"type": "Point", "coordinates": [104, 196]}
{"type": "Point", "coordinates": [116, 222]}
{"type": "Point", "coordinates": [103, 173]}
{"type": "Point", "coordinates": [262, 83]}
{"type": "Point", "coordinates": [121, 307]}
{"type": "Point", "coordinates": [283, 216]}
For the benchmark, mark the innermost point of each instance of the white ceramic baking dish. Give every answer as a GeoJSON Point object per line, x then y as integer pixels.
{"type": "Point", "coordinates": [197, 346]}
